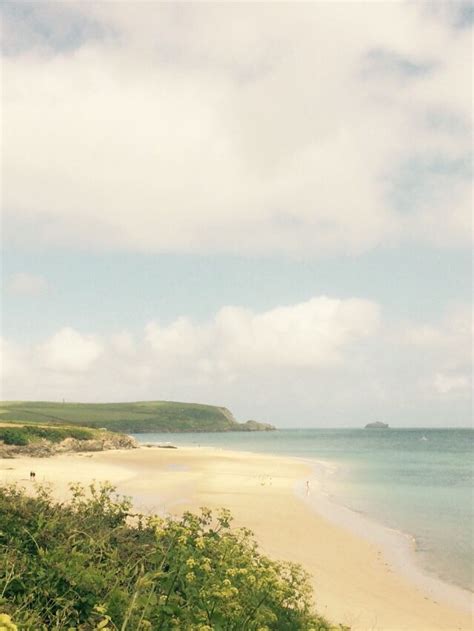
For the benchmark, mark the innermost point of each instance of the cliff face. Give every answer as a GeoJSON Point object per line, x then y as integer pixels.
{"type": "Point", "coordinates": [44, 448]}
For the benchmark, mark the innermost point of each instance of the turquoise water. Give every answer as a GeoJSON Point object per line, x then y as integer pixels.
{"type": "Point", "coordinates": [418, 481]}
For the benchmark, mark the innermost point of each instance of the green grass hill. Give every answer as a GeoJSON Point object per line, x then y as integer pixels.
{"type": "Point", "coordinates": [143, 416]}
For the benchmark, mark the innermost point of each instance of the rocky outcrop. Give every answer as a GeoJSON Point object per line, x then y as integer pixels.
{"type": "Point", "coordinates": [38, 449]}
{"type": "Point", "coordinates": [376, 425]}
{"type": "Point", "coordinates": [254, 426]}
{"type": "Point", "coordinates": [44, 448]}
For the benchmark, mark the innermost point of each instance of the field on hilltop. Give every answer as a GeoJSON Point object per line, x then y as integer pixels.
{"type": "Point", "coordinates": [143, 416]}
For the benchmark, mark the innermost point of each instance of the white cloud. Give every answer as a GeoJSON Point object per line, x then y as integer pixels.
{"type": "Point", "coordinates": [123, 343]}
{"type": "Point", "coordinates": [27, 284]}
{"type": "Point", "coordinates": [445, 384]}
{"type": "Point", "coordinates": [11, 360]}
{"type": "Point", "coordinates": [237, 128]}
{"type": "Point", "coordinates": [450, 338]}
{"type": "Point", "coordinates": [310, 334]}
{"type": "Point", "coordinates": [236, 344]}
{"type": "Point", "coordinates": [69, 350]}
{"type": "Point", "coordinates": [319, 362]}
{"type": "Point", "coordinates": [438, 356]}
{"type": "Point", "coordinates": [180, 339]}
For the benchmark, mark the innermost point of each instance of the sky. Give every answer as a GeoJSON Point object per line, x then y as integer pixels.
{"type": "Point", "coordinates": [266, 206]}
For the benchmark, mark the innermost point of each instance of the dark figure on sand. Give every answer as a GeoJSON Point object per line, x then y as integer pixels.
{"type": "Point", "coordinates": [32, 475]}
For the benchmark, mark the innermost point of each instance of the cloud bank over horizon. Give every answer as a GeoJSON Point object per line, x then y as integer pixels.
{"type": "Point", "coordinates": [286, 360]}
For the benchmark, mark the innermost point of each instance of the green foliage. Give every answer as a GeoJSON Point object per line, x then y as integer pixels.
{"type": "Point", "coordinates": [146, 416]}
{"type": "Point", "coordinates": [13, 436]}
{"type": "Point", "coordinates": [31, 433]}
{"type": "Point", "coordinates": [90, 564]}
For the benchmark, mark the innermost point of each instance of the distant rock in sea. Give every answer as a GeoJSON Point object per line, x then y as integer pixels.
{"type": "Point", "coordinates": [376, 425]}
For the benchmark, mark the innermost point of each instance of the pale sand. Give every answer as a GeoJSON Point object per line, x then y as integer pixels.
{"type": "Point", "coordinates": [353, 581]}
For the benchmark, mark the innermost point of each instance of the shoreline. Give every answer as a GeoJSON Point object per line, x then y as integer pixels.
{"type": "Point", "coordinates": [357, 581]}
{"type": "Point", "coordinates": [398, 547]}
{"type": "Point", "coordinates": [337, 511]}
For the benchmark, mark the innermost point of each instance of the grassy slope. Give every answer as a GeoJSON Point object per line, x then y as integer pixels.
{"type": "Point", "coordinates": [126, 417]}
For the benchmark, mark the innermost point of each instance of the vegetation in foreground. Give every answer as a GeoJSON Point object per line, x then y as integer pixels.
{"type": "Point", "coordinates": [90, 564]}
{"type": "Point", "coordinates": [144, 416]}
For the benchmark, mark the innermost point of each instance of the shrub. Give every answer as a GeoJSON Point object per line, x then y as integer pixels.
{"type": "Point", "coordinates": [57, 434]}
{"type": "Point", "coordinates": [89, 564]}
{"type": "Point", "coordinates": [29, 433]}
{"type": "Point", "coordinates": [13, 436]}
{"type": "Point", "coordinates": [80, 433]}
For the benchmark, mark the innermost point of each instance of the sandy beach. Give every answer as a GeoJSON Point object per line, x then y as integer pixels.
{"type": "Point", "coordinates": [355, 581]}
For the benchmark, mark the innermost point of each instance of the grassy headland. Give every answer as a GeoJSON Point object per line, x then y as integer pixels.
{"type": "Point", "coordinates": [139, 417]}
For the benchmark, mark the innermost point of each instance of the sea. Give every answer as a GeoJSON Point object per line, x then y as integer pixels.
{"type": "Point", "coordinates": [418, 482]}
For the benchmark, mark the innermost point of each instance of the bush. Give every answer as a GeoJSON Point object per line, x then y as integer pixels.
{"type": "Point", "coordinates": [29, 433]}
{"type": "Point", "coordinates": [80, 433]}
{"type": "Point", "coordinates": [89, 564]}
{"type": "Point", "coordinates": [57, 434]}
{"type": "Point", "coordinates": [13, 436]}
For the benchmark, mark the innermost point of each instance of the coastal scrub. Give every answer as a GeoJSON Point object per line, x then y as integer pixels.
{"type": "Point", "coordinates": [93, 564]}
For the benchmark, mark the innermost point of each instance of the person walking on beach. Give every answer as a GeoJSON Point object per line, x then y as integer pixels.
{"type": "Point", "coordinates": [307, 487]}
{"type": "Point", "coordinates": [32, 475]}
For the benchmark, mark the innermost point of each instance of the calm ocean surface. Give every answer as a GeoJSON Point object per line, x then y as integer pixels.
{"type": "Point", "coordinates": [418, 481]}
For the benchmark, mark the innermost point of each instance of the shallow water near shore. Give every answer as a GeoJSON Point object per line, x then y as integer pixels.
{"type": "Point", "coordinates": [417, 481]}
